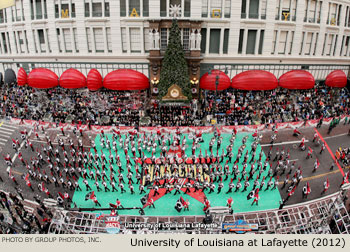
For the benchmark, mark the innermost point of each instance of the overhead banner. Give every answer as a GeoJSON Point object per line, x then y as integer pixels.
{"type": "Point", "coordinates": [6, 3]}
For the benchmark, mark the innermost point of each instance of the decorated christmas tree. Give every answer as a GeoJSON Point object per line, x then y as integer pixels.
{"type": "Point", "coordinates": [174, 66]}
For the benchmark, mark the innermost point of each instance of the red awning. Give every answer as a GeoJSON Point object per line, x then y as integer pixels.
{"type": "Point", "coordinates": [72, 78]}
{"type": "Point", "coordinates": [255, 80]}
{"type": "Point", "coordinates": [208, 81]}
{"type": "Point", "coordinates": [297, 79]}
{"type": "Point", "coordinates": [21, 77]}
{"type": "Point", "coordinates": [94, 80]}
{"type": "Point", "coordinates": [42, 78]}
{"type": "Point", "coordinates": [126, 79]}
{"type": "Point", "coordinates": [337, 79]}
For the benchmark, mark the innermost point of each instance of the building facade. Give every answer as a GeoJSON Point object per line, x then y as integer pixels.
{"type": "Point", "coordinates": [235, 35]}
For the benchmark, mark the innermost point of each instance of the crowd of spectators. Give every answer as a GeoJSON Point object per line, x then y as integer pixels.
{"type": "Point", "coordinates": [235, 107]}
{"type": "Point", "coordinates": [79, 106]}
{"type": "Point", "coordinates": [232, 107]}
{"type": "Point", "coordinates": [18, 220]}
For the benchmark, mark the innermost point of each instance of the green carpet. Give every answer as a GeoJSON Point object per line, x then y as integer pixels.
{"type": "Point", "coordinates": [165, 205]}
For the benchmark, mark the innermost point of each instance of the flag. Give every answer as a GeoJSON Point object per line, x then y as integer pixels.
{"type": "Point", "coordinates": [6, 3]}
{"type": "Point", "coordinates": [89, 195]}
{"type": "Point", "coordinates": [308, 189]}
{"type": "Point", "coordinates": [292, 191]}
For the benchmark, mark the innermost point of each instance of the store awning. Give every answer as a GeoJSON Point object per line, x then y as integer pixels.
{"type": "Point", "coordinates": [94, 80]}
{"type": "Point", "coordinates": [42, 78]}
{"type": "Point", "coordinates": [254, 80]}
{"type": "Point", "coordinates": [337, 79]}
{"type": "Point", "coordinates": [10, 76]}
{"type": "Point", "coordinates": [72, 78]}
{"type": "Point", "coordinates": [126, 79]}
{"type": "Point", "coordinates": [208, 81]}
{"type": "Point", "coordinates": [21, 77]}
{"type": "Point", "coordinates": [297, 79]}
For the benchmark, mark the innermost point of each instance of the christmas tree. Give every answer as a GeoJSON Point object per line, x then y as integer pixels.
{"type": "Point", "coordinates": [174, 66]}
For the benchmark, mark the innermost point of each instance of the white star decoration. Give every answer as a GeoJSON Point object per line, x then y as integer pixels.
{"type": "Point", "coordinates": [175, 10]}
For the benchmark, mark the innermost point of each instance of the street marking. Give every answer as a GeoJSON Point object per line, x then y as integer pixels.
{"type": "Point", "coordinates": [335, 136]}
{"type": "Point", "coordinates": [5, 132]}
{"type": "Point", "coordinates": [293, 160]}
{"type": "Point", "coordinates": [284, 143]}
{"type": "Point", "coordinates": [330, 151]}
{"type": "Point", "coordinates": [316, 176]}
{"type": "Point", "coordinates": [9, 126]}
{"type": "Point", "coordinates": [5, 140]}
{"type": "Point", "coordinates": [20, 147]}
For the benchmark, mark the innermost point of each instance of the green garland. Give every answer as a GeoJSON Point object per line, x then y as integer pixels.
{"type": "Point", "coordinates": [174, 66]}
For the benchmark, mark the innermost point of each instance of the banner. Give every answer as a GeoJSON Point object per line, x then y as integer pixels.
{"type": "Point", "coordinates": [6, 3]}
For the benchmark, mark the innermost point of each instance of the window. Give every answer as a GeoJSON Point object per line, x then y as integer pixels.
{"type": "Point", "coordinates": [244, 9]}
{"type": "Point", "coordinates": [109, 39]}
{"type": "Point", "coordinates": [64, 11]}
{"type": "Point", "coordinates": [227, 8]}
{"type": "Point", "coordinates": [291, 42]}
{"type": "Point", "coordinates": [215, 8]}
{"type": "Point", "coordinates": [41, 36]}
{"type": "Point", "coordinates": [107, 9]}
{"type": "Point", "coordinates": [97, 9]}
{"type": "Point", "coordinates": [87, 9]}
{"type": "Point", "coordinates": [99, 40]}
{"type": "Point", "coordinates": [335, 44]}
{"type": "Point", "coordinates": [163, 8]}
{"type": "Point", "coordinates": [67, 39]}
{"type": "Point", "coordinates": [3, 37]}
{"type": "Point", "coordinates": [187, 8]}
{"type": "Point", "coordinates": [145, 8]}
{"type": "Point", "coordinates": [329, 44]}
{"type": "Point", "coordinates": [204, 40]}
{"type": "Point", "coordinates": [263, 9]}
{"type": "Point", "coordinates": [254, 9]}
{"type": "Point", "coordinates": [282, 42]}
{"type": "Point", "coordinates": [225, 45]}
{"type": "Point", "coordinates": [204, 8]}
{"type": "Point", "coordinates": [302, 43]}
{"type": "Point", "coordinates": [308, 43]}
{"type": "Point", "coordinates": [58, 33]}
{"type": "Point", "coordinates": [316, 39]}
{"type": "Point", "coordinates": [134, 5]}
{"type": "Point", "coordinates": [122, 8]}
{"type": "Point", "coordinates": [274, 42]}
{"type": "Point", "coordinates": [76, 42]}
{"type": "Point", "coordinates": [163, 38]}
{"type": "Point", "coordinates": [214, 44]}
{"type": "Point", "coordinates": [146, 39]}
{"type": "Point", "coordinates": [240, 42]}
{"type": "Point", "coordinates": [186, 39]}
{"type": "Point", "coordinates": [347, 40]}
{"type": "Point", "coordinates": [324, 43]}
{"type": "Point", "coordinates": [261, 41]}
{"type": "Point", "coordinates": [135, 40]}
{"type": "Point", "coordinates": [124, 42]}
{"type": "Point", "coordinates": [89, 39]}
{"type": "Point", "coordinates": [251, 41]}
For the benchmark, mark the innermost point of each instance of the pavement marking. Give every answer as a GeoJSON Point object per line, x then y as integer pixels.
{"type": "Point", "coordinates": [6, 132]}
{"type": "Point", "coordinates": [2, 139]}
{"type": "Point", "coordinates": [8, 125]}
{"type": "Point", "coordinates": [293, 160]}
{"type": "Point", "coordinates": [284, 143]}
{"type": "Point", "coordinates": [335, 136]}
{"type": "Point", "coordinates": [20, 147]}
{"type": "Point", "coordinates": [316, 176]}
{"type": "Point", "coordinates": [330, 151]}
